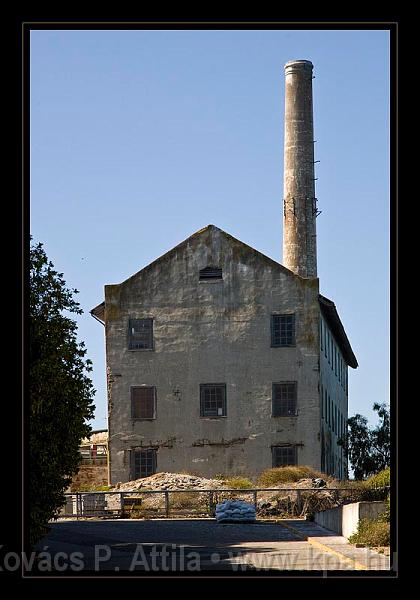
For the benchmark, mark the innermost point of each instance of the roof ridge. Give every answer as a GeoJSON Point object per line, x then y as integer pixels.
{"type": "Point", "coordinates": [210, 226]}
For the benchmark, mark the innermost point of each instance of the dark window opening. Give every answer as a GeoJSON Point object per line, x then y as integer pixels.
{"type": "Point", "coordinates": [143, 402]}
{"type": "Point", "coordinates": [282, 330]}
{"type": "Point", "coordinates": [284, 399]}
{"type": "Point", "coordinates": [213, 400]}
{"type": "Point", "coordinates": [329, 410]}
{"type": "Point", "coordinates": [143, 463]}
{"type": "Point", "coordinates": [326, 407]}
{"type": "Point", "coordinates": [284, 455]}
{"type": "Point", "coordinates": [140, 333]}
{"type": "Point", "coordinates": [211, 273]}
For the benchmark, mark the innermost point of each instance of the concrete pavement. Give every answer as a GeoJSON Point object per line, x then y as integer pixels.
{"type": "Point", "coordinates": [164, 545]}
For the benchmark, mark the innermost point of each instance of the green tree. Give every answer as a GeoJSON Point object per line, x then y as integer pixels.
{"type": "Point", "coordinates": [368, 450]}
{"type": "Point", "coordinates": [61, 393]}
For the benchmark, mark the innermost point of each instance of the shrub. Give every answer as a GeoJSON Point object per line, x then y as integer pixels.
{"type": "Point", "coordinates": [185, 500]}
{"type": "Point", "coordinates": [371, 533]}
{"type": "Point", "coordinates": [374, 488]}
{"type": "Point", "coordinates": [137, 513]}
{"type": "Point", "coordinates": [272, 477]}
{"type": "Point", "coordinates": [89, 487]}
{"type": "Point", "coordinates": [239, 483]}
{"type": "Point", "coordinates": [380, 480]}
{"type": "Point", "coordinates": [385, 517]}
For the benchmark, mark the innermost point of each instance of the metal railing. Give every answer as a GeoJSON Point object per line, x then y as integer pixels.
{"type": "Point", "coordinates": [94, 460]}
{"type": "Point", "coordinates": [286, 502]}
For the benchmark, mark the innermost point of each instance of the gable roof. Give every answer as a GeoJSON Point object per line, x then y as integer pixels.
{"type": "Point", "coordinates": [327, 306]}
{"type": "Point", "coordinates": [330, 314]}
{"type": "Point", "coordinates": [99, 311]}
{"type": "Point", "coordinates": [201, 232]}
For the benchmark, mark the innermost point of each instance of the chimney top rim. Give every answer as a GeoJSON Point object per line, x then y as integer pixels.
{"type": "Point", "coordinates": [303, 64]}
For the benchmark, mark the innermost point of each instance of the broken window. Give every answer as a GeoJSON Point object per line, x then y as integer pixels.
{"type": "Point", "coordinates": [140, 334]}
{"type": "Point", "coordinates": [143, 463]}
{"type": "Point", "coordinates": [210, 273]}
{"type": "Point", "coordinates": [282, 330]}
{"type": "Point", "coordinates": [143, 402]}
{"type": "Point", "coordinates": [284, 399]}
{"type": "Point", "coordinates": [213, 400]}
{"type": "Point", "coordinates": [284, 455]}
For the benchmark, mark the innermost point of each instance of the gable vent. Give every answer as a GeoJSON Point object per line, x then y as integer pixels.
{"type": "Point", "coordinates": [211, 273]}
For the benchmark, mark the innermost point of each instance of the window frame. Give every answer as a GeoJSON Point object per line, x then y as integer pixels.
{"type": "Point", "coordinates": [130, 334]}
{"type": "Point", "coordinates": [135, 387]}
{"type": "Point", "coordinates": [203, 387]}
{"type": "Point", "coordinates": [292, 447]}
{"type": "Point", "coordinates": [284, 383]}
{"type": "Point", "coordinates": [272, 319]}
{"type": "Point", "coordinates": [139, 451]}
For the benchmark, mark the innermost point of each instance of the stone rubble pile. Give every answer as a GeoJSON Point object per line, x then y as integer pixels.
{"type": "Point", "coordinates": [235, 511]}
{"type": "Point", "coordinates": [169, 481]}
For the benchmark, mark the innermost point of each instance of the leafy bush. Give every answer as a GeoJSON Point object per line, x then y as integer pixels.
{"type": "Point", "coordinates": [374, 488]}
{"type": "Point", "coordinates": [239, 483]}
{"type": "Point", "coordinates": [385, 517]}
{"type": "Point", "coordinates": [381, 479]}
{"type": "Point", "coordinates": [272, 477]}
{"type": "Point", "coordinates": [371, 533]}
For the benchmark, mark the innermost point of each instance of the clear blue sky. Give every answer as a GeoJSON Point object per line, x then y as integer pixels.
{"type": "Point", "coordinates": [140, 138]}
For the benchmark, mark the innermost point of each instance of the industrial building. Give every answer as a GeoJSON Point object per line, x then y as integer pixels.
{"type": "Point", "coordinates": [223, 360]}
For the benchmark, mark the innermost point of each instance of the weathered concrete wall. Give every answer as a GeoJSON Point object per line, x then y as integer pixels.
{"type": "Point", "coordinates": [333, 380]}
{"type": "Point", "coordinates": [299, 221]}
{"type": "Point", "coordinates": [212, 332]}
{"type": "Point", "coordinates": [344, 519]}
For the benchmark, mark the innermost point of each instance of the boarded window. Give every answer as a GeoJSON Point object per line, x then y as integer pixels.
{"type": "Point", "coordinates": [284, 455]}
{"type": "Point", "coordinates": [140, 334]}
{"type": "Point", "coordinates": [143, 402]}
{"type": "Point", "coordinates": [284, 399]}
{"type": "Point", "coordinates": [213, 400]}
{"type": "Point", "coordinates": [282, 330]}
{"type": "Point", "coordinates": [211, 273]}
{"type": "Point", "coordinates": [143, 463]}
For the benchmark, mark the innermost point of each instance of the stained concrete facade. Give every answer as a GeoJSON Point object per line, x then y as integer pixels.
{"type": "Point", "coordinates": [207, 332]}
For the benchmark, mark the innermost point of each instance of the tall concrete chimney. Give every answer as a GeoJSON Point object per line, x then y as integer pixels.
{"type": "Point", "coordinates": [299, 221]}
